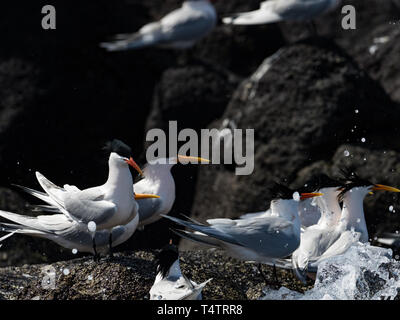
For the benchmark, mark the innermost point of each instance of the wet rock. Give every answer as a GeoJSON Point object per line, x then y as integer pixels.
{"type": "Point", "coordinates": [378, 55]}
{"type": "Point", "coordinates": [130, 276]}
{"type": "Point", "coordinates": [374, 44]}
{"type": "Point", "coordinates": [194, 96]}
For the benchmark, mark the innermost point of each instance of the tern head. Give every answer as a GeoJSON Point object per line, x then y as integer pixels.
{"type": "Point", "coordinates": [166, 258]}
{"type": "Point", "coordinates": [282, 192]}
{"type": "Point", "coordinates": [355, 184]}
{"type": "Point", "coordinates": [120, 154]}
{"type": "Point", "coordinates": [285, 201]}
{"type": "Point", "coordinates": [323, 184]}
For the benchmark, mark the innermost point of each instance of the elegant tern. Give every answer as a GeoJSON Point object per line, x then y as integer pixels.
{"type": "Point", "coordinates": [84, 215]}
{"type": "Point", "coordinates": [158, 180]}
{"type": "Point", "coordinates": [259, 239]}
{"type": "Point", "coordinates": [272, 11]}
{"type": "Point", "coordinates": [338, 229]}
{"type": "Point", "coordinates": [180, 29]}
{"type": "Point", "coordinates": [170, 283]}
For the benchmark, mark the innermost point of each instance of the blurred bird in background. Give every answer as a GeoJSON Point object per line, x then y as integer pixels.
{"type": "Point", "coordinates": [180, 29]}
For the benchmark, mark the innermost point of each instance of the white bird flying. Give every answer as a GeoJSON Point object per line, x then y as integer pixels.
{"type": "Point", "coordinates": [180, 29]}
{"type": "Point", "coordinates": [158, 180]}
{"type": "Point", "coordinates": [259, 239]}
{"type": "Point", "coordinates": [337, 229]}
{"type": "Point", "coordinates": [84, 217]}
{"type": "Point", "coordinates": [272, 11]}
{"type": "Point", "coordinates": [170, 283]}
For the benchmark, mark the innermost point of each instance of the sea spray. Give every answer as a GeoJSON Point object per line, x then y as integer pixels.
{"type": "Point", "coordinates": [364, 272]}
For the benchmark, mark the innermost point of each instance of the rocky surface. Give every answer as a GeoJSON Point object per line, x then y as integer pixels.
{"type": "Point", "coordinates": [129, 276]}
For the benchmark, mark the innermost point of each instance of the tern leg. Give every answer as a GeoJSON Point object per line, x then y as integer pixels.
{"type": "Point", "coordinates": [276, 280]}
{"type": "Point", "coordinates": [259, 267]}
{"type": "Point", "coordinates": [111, 254]}
{"type": "Point", "coordinates": [96, 256]}
{"type": "Point", "coordinates": [313, 28]}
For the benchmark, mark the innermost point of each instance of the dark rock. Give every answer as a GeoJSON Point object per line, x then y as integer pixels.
{"type": "Point", "coordinates": [194, 96]}
{"type": "Point", "coordinates": [302, 103]}
{"type": "Point", "coordinates": [131, 275]}
{"type": "Point", "coordinates": [376, 21]}
{"type": "Point", "coordinates": [378, 55]}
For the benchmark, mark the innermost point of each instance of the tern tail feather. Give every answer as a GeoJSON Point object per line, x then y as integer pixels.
{"type": "Point", "coordinates": [197, 237]}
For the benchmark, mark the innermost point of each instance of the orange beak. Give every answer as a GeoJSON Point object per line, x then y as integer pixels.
{"type": "Point", "coordinates": [305, 196]}
{"type": "Point", "coordinates": [134, 165]}
{"type": "Point", "coordinates": [195, 160]}
{"type": "Point", "coordinates": [377, 187]}
{"type": "Point", "coordinates": [139, 196]}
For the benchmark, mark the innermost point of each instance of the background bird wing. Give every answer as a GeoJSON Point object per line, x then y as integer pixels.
{"type": "Point", "coordinates": [185, 25]}
{"type": "Point", "coordinates": [295, 9]}
{"type": "Point", "coordinates": [255, 214]}
{"type": "Point", "coordinates": [267, 235]}
{"type": "Point", "coordinates": [147, 207]}
{"type": "Point", "coordinates": [270, 236]}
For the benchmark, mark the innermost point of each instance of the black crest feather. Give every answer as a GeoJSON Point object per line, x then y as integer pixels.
{"type": "Point", "coordinates": [165, 258]}
{"type": "Point", "coordinates": [280, 191]}
{"type": "Point", "coordinates": [320, 181]}
{"type": "Point", "coordinates": [119, 147]}
{"type": "Point", "coordinates": [350, 179]}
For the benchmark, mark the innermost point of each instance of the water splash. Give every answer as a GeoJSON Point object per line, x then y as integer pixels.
{"type": "Point", "coordinates": [364, 272]}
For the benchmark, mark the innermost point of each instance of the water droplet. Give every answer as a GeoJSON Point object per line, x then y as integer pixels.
{"type": "Point", "coordinates": [363, 140]}
{"type": "Point", "coordinates": [296, 196]}
{"type": "Point", "coordinates": [356, 111]}
{"type": "Point", "coordinates": [391, 208]}
{"type": "Point", "coordinates": [90, 277]}
{"type": "Point", "coordinates": [66, 271]}
{"type": "Point", "coordinates": [74, 251]}
{"type": "Point", "coordinates": [346, 153]}
{"type": "Point", "coordinates": [92, 226]}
